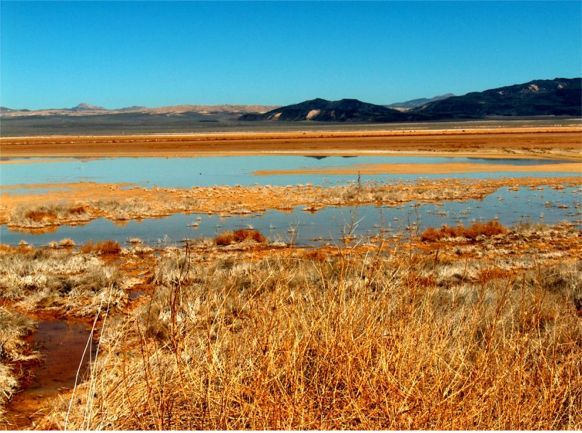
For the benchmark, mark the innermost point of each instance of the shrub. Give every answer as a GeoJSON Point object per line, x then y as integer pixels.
{"type": "Point", "coordinates": [228, 238]}
{"type": "Point", "coordinates": [490, 228]}
{"type": "Point", "coordinates": [67, 243]}
{"type": "Point", "coordinates": [39, 215]}
{"type": "Point", "coordinates": [78, 210]}
{"type": "Point", "coordinates": [105, 247]}
{"type": "Point", "coordinates": [431, 235]}
{"type": "Point", "coordinates": [225, 238]}
{"type": "Point", "coordinates": [109, 247]}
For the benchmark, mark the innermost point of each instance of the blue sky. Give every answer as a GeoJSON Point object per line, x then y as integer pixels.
{"type": "Point", "coordinates": [119, 54]}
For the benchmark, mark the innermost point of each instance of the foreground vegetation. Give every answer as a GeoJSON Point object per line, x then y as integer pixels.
{"type": "Point", "coordinates": [467, 329]}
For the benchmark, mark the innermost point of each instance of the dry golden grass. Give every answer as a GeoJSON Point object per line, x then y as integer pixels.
{"type": "Point", "coordinates": [13, 352]}
{"type": "Point", "coordinates": [103, 247]}
{"type": "Point", "coordinates": [403, 335]}
{"type": "Point", "coordinates": [34, 216]}
{"type": "Point", "coordinates": [377, 340]}
{"type": "Point", "coordinates": [241, 235]}
{"type": "Point", "coordinates": [490, 228]}
{"type": "Point", "coordinates": [59, 281]}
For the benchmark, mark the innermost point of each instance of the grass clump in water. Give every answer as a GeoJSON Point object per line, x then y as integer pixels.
{"type": "Point", "coordinates": [238, 236]}
{"type": "Point", "coordinates": [488, 229]}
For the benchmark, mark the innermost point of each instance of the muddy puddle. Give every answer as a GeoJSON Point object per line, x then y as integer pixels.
{"type": "Point", "coordinates": [61, 345]}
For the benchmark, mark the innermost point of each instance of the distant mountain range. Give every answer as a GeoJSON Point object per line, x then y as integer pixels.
{"type": "Point", "coordinates": [322, 110]}
{"type": "Point", "coordinates": [84, 109]}
{"type": "Point", "coordinates": [413, 103]}
{"type": "Point", "coordinates": [557, 97]}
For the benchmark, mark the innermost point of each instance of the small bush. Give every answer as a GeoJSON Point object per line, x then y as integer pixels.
{"type": "Point", "coordinates": [67, 243]}
{"type": "Point", "coordinates": [225, 238]}
{"type": "Point", "coordinates": [413, 279]}
{"type": "Point", "coordinates": [40, 215]}
{"type": "Point", "coordinates": [317, 255]}
{"type": "Point", "coordinates": [431, 235]}
{"type": "Point", "coordinates": [78, 210]}
{"type": "Point", "coordinates": [228, 238]}
{"type": "Point", "coordinates": [490, 228]}
{"type": "Point", "coordinates": [105, 247]}
{"type": "Point", "coordinates": [109, 247]}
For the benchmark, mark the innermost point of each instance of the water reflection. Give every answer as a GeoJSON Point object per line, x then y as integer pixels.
{"type": "Point", "coordinates": [232, 170]}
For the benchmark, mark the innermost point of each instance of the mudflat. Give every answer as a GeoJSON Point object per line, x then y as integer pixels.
{"type": "Point", "coordinates": [540, 142]}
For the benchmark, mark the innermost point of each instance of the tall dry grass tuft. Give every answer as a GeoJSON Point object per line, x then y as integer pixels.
{"type": "Point", "coordinates": [14, 352]}
{"type": "Point", "coordinates": [60, 281]}
{"type": "Point", "coordinates": [349, 342]}
{"type": "Point", "coordinates": [490, 228]}
{"type": "Point", "coordinates": [241, 235]}
{"type": "Point", "coordinates": [108, 247]}
{"type": "Point", "coordinates": [50, 214]}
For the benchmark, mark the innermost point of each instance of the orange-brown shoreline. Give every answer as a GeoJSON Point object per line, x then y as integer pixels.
{"type": "Point", "coordinates": [536, 142]}
{"type": "Point", "coordinates": [443, 168]}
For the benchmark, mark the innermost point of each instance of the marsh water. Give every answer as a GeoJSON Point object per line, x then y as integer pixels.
{"type": "Point", "coordinates": [330, 224]}
{"type": "Point", "coordinates": [63, 346]}
{"type": "Point", "coordinates": [298, 226]}
{"type": "Point", "coordinates": [231, 170]}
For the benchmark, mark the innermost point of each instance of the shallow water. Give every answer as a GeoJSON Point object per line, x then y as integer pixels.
{"type": "Point", "coordinates": [61, 345]}
{"type": "Point", "coordinates": [545, 205]}
{"type": "Point", "coordinates": [327, 225]}
{"type": "Point", "coordinates": [232, 170]}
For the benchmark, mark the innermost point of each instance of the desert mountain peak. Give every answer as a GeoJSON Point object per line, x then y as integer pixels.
{"type": "Point", "coordinates": [84, 106]}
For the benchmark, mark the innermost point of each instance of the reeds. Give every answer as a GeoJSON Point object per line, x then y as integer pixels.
{"type": "Point", "coordinates": [343, 341]}
{"type": "Point", "coordinates": [13, 352]}
{"type": "Point", "coordinates": [62, 281]}
{"type": "Point", "coordinates": [402, 335]}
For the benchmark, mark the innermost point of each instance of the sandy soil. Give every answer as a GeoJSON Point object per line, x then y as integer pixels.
{"type": "Point", "coordinates": [544, 142]}
{"type": "Point", "coordinates": [446, 168]}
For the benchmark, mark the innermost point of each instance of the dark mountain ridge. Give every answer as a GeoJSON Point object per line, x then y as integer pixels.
{"type": "Point", "coordinates": [557, 97]}
{"type": "Point", "coordinates": [414, 103]}
{"type": "Point", "coordinates": [322, 110]}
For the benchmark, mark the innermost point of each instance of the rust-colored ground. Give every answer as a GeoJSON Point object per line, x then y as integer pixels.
{"type": "Point", "coordinates": [559, 142]}
{"type": "Point", "coordinates": [62, 344]}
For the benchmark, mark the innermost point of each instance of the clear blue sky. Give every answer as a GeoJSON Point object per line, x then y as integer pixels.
{"type": "Point", "coordinates": [143, 53]}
